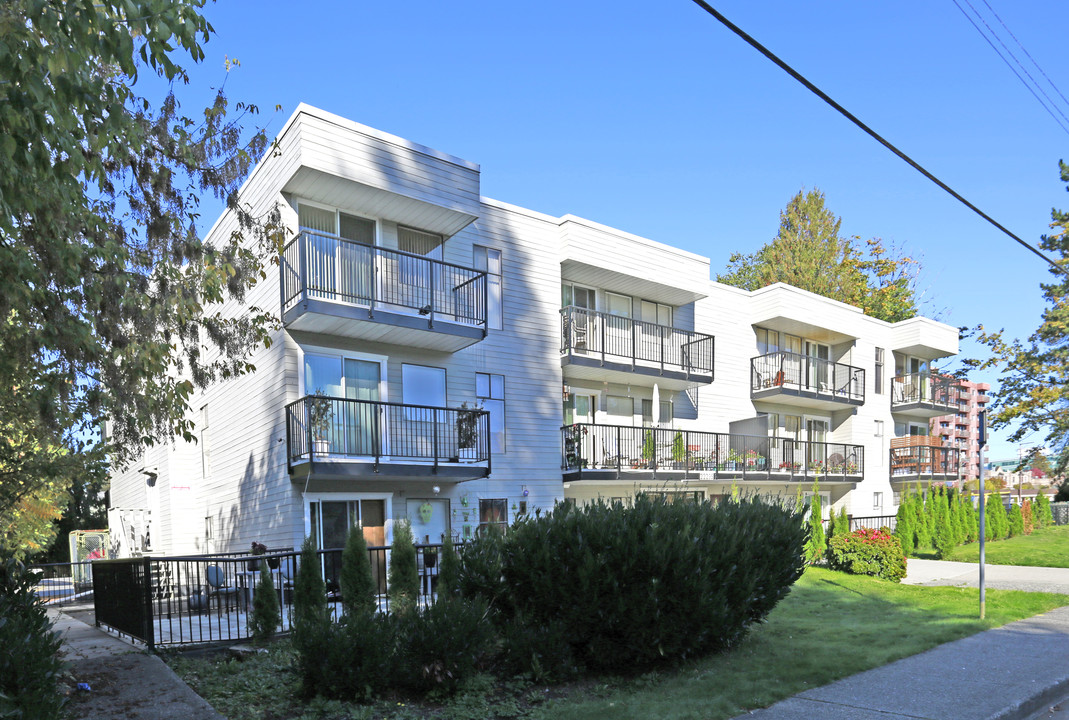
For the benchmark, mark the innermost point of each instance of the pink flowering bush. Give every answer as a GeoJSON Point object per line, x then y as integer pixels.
{"type": "Point", "coordinates": [868, 552]}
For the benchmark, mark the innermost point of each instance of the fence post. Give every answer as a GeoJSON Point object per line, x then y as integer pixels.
{"type": "Point", "coordinates": [149, 625]}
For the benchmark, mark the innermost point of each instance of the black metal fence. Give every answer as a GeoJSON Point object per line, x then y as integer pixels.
{"type": "Point", "coordinates": [622, 448]}
{"type": "Point", "coordinates": [206, 599]}
{"type": "Point", "coordinates": [318, 426]}
{"type": "Point", "coordinates": [615, 337]}
{"type": "Point", "coordinates": [940, 391]}
{"type": "Point", "coordinates": [65, 583]}
{"type": "Point", "coordinates": [321, 266]}
{"type": "Point", "coordinates": [874, 522]}
{"type": "Point", "coordinates": [791, 371]}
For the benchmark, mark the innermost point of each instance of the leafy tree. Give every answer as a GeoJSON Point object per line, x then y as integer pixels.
{"type": "Point", "coordinates": [358, 589]}
{"type": "Point", "coordinates": [809, 253]}
{"type": "Point", "coordinates": [110, 303]}
{"type": "Point", "coordinates": [1034, 382]}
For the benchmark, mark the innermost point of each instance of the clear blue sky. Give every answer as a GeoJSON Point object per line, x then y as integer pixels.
{"type": "Point", "coordinates": [653, 118]}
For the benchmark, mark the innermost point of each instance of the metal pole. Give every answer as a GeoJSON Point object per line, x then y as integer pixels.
{"type": "Point", "coordinates": [981, 440]}
{"type": "Point", "coordinates": [982, 608]}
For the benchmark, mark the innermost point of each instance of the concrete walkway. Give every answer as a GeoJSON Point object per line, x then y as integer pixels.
{"type": "Point", "coordinates": [1015, 672]}
{"type": "Point", "coordinates": [124, 682]}
{"type": "Point", "coordinates": [997, 577]}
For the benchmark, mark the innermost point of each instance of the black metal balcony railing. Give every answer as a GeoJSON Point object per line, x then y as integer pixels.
{"type": "Point", "coordinates": [788, 370]}
{"type": "Point", "coordinates": [320, 266]}
{"type": "Point", "coordinates": [615, 337]}
{"type": "Point", "coordinates": [623, 448]}
{"type": "Point", "coordinates": [939, 391]}
{"type": "Point", "coordinates": [923, 461]}
{"type": "Point", "coordinates": [327, 427]}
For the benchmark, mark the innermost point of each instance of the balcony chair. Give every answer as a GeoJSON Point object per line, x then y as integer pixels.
{"type": "Point", "coordinates": [219, 588]}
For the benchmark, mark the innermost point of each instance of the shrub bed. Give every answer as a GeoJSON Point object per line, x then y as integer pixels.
{"type": "Point", "coordinates": [630, 587]}
{"type": "Point", "coordinates": [868, 552]}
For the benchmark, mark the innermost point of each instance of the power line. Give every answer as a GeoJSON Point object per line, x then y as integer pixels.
{"type": "Point", "coordinates": [1025, 51]}
{"type": "Point", "coordinates": [872, 133]}
{"type": "Point", "coordinates": [1010, 65]}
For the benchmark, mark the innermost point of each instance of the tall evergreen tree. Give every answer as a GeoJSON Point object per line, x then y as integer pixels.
{"type": "Point", "coordinates": [357, 582]}
{"type": "Point", "coordinates": [809, 253]}
{"type": "Point", "coordinates": [403, 576]}
{"type": "Point", "coordinates": [904, 525]}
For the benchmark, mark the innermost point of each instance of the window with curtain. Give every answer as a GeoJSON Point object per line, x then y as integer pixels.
{"type": "Point", "coordinates": [493, 514]}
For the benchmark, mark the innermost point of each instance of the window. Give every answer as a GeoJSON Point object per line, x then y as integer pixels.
{"type": "Point", "coordinates": [419, 242]}
{"type": "Point", "coordinates": [619, 406]}
{"type": "Point", "coordinates": [877, 501]}
{"type": "Point", "coordinates": [488, 260]}
{"type": "Point", "coordinates": [493, 514]}
{"type": "Point", "coordinates": [656, 313]}
{"type": "Point", "coordinates": [665, 416]}
{"type": "Point", "coordinates": [422, 385]}
{"type": "Point", "coordinates": [490, 391]}
{"type": "Point", "coordinates": [618, 304]}
{"type": "Point", "coordinates": [767, 341]}
{"type": "Point", "coordinates": [878, 375]}
{"type": "Point", "coordinates": [879, 428]}
{"type": "Point", "coordinates": [205, 445]}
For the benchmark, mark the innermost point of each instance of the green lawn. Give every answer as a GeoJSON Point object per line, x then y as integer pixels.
{"type": "Point", "coordinates": [830, 626]}
{"type": "Point", "coordinates": [1048, 547]}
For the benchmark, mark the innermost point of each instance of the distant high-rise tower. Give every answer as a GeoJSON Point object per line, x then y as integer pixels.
{"type": "Point", "coordinates": [960, 430]}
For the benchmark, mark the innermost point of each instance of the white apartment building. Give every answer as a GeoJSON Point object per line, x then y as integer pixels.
{"type": "Point", "coordinates": [458, 361]}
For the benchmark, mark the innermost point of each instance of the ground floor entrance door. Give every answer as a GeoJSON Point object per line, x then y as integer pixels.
{"type": "Point", "coordinates": [330, 521]}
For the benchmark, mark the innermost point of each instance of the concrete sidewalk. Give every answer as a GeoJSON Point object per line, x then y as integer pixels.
{"type": "Point", "coordinates": [124, 681]}
{"type": "Point", "coordinates": [996, 577]}
{"type": "Point", "coordinates": [1015, 672]}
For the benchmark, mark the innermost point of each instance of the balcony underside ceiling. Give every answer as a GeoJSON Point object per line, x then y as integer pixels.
{"type": "Point", "coordinates": [591, 369]}
{"type": "Point", "coordinates": [809, 331]}
{"type": "Point", "coordinates": [922, 410]}
{"type": "Point", "coordinates": [615, 281]}
{"type": "Point", "coordinates": [694, 478]}
{"type": "Point", "coordinates": [923, 477]}
{"type": "Point", "coordinates": [782, 395]}
{"type": "Point", "coordinates": [363, 199]}
{"type": "Point", "coordinates": [396, 328]}
{"type": "Point", "coordinates": [357, 470]}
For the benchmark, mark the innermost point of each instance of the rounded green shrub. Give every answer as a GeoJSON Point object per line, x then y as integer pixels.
{"type": "Point", "coordinates": [868, 552]}
{"type": "Point", "coordinates": [630, 587]}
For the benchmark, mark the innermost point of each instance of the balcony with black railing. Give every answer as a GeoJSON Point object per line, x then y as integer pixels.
{"type": "Point", "coordinates": [600, 346]}
{"type": "Point", "coordinates": [336, 286]}
{"type": "Point", "coordinates": [600, 452]}
{"type": "Point", "coordinates": [924, 395]}
{"type": "Point", "coordinates": [793, 379]}
{"type": "Point", "coordinates": [923, 458]}
{"type": "Point", "coordinates": [332, 437]}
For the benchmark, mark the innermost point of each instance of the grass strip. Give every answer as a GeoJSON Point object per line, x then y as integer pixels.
{"type": "Point", "coordinates": [1048, 547]}
{"type": "Point", "coordinates": [831, 625]}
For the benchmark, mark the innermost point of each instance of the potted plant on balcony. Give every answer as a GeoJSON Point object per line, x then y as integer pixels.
{"type": "Point", "coordinates": [754, 460]}
{"type": "Point", "coordinates": [320, 414]}
{"type": "Point", "coordinates": [649, 449]}
{"type": "Point", "coordinates": [467, 430]}
{"type": "Point", "coordinates": [572, 446]}
{"type": "Point", "coordinates": [735, 460]}
{"type": "Point", "coordinates": [789, 466]}
{"type": "Point", "coordinates": [679, 452]}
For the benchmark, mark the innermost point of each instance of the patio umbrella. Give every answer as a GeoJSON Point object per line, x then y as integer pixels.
{"type": "Point", "coordinates": [656, 404]}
